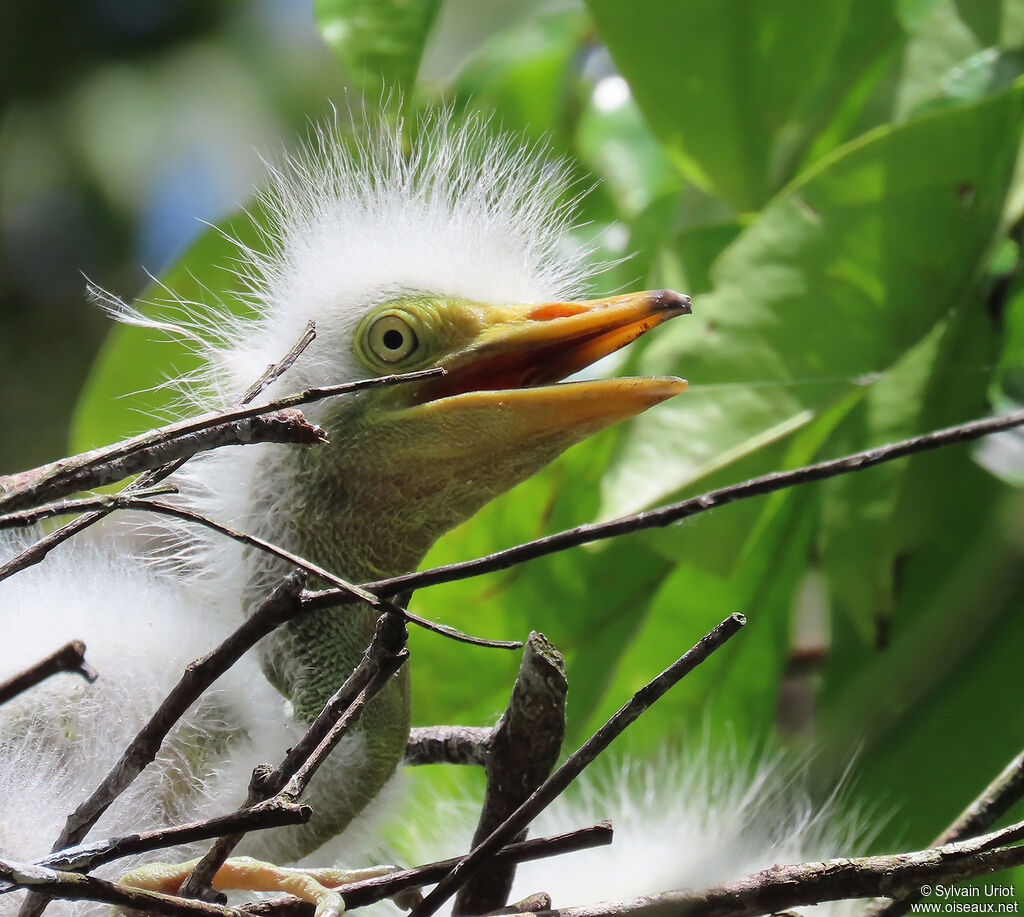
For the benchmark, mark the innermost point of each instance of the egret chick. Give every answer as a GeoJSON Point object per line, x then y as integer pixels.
{"type": "Point", "coordinates": [453, 254]}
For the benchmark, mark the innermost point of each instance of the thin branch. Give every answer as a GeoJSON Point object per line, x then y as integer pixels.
{"type": "Point", "coordinates": [369, 891]}
{"type": "Point", "coordinates": [69, 658]}
{"type": "Point", "coordinates": [105, 503]}
{"type": "Point", "coordinates": [675, 512]}
{"type": "Point", "coordinates": [349, 591]}
{"type": "Point", "coordinates": [783, 887]}
{"type": "Point", "coordinates": [523, 749]}
{"type": "Point", "coordinates": [274, 372]}
{"type": "Point", "coordinates": [297, 785]}
{"type": "Point", "coordinates": [57, 883]}
{"type": "Point", "coordinates": [91, 470]}
{"type": "Point", "coordinates": [272, 813]}
{"type": "Point", "coordinates": [459, 636]}
{"type": "Point", "coordinates": [448, 745]}
{"type": "Point", "coordinates": [280, 606]}
{"type": "Point", "coordinates": [383, 658]}
{"type": "Point", "coordinates": [573, 766]}
{"type": "Point", "coordinates": [16, 491]}
{"type": "Point", "coordinates": [41, 548]}
{"type": "Point", "coordinates": [994, 802]}
{"type": "Point", "coordinates": [306, 396]}
{"type": "Point", "coordinates": [532, 904]}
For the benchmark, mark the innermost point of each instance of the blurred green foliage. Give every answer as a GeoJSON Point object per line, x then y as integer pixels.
{"type": "Point", "coordinates": [122, 127]}
{"type": "Point", "coordinates": [840, 187]}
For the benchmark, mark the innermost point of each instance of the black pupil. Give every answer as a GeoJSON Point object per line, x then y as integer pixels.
{"type": "Point", "coordinates": [393, 339]}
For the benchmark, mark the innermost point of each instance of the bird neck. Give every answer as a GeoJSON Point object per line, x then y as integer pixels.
{"type": "Point", "coordinates": [308, 659]}
{"type": "Point", "coordinates": [369, 505]}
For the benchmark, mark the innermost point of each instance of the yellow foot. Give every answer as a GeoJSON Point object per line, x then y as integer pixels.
{"type": "Point", "coordinates": [317, 886]}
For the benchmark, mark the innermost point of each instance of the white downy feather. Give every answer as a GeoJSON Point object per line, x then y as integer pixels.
{"type": "Point", "coordinates": [686, 819]}
{"type": "Point", "coordinates": [59, 739]}
{"type": "Point", "coordinates": [350, 226]}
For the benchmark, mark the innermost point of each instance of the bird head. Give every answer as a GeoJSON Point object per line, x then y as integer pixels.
{"type": "Point", "coordinates": [455, 252]}
{"type": "Point", "coordinates": [422, 457]}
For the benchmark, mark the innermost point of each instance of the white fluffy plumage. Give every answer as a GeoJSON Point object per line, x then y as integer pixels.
{"type": "Point", "coordinates": [59, 739]}
{"type": "Point", "coordinates": [347, 224]}
{"type": "Point", "coordinates": [352, 223]}
{"type": "Point", "coordinates": [688, 820]}
{"type": "Point", "coordinates": [350, 226]}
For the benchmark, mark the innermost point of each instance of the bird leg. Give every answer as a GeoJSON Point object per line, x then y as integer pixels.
{"type": "Point", "coordinates": [317, 885]}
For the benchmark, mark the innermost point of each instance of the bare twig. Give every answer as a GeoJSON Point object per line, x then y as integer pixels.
{"type": "Point", "coordinates": [995, 801]}
{"type": "Point", "coordinates": [674, 512]}
{"type": "Point", "coordinates": [69, 658]}
{"type": "Point", "coordinates": [782, 887]}
{"type": "Point", "coordinates": [268, 422]}
{"type": "Point", "coordinates": [532, 904]}
{"type": "Point", "coordinates": [104, 503]}
{"type": "Point", "coordinates": [272, 813]}
{"type": "Point", "coordinates": [40, 549]}
{"type": "Point", "coordinates": [274, 372]}
{"type": "Point", "coordinates": [359, 894]}
{"type": "Point", "coordinates": [448, 745]}
{"type": "Point", "coordinates": [523, 749]}
{"type": "Point", "coordinates": [298, 783]}
{"type": "Point", "coordinates": [57, 883]}
{"type": "Point", "coordinates": [349, 591]}
{"type": "Point", "coordinates": [576, 762]}
{"type": "Point", "coordinates": [384, 656]}
{"type": "Point", "coordinates": [154, 449]}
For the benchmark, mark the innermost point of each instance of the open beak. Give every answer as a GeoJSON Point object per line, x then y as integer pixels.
{"type": "Point", "coordinates": [517, 361]}
{"type": "Point", "coordinates": [501, 412]}
{"type": "Point", "coordinates": [504, 391]}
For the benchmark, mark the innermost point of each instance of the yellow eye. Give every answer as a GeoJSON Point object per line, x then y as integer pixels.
{"type": "Point", "coordinates": [391, 339]}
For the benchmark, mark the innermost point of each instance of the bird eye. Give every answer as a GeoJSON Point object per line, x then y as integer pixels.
{"type": "Point", "coordinates": [391, 338]}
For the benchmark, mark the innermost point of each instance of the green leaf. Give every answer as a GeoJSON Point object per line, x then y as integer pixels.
{"type": "Point", "coordinates": [939, 681]}
{"type": "Point", "coordinates": [859, 508]}
{"type": "Point", "coordinates": [723, 84]}
{"type": "Point", "coordinates": [941, 381]}
{"type": "Point", "coordinates": [378, 43]}
{"type": "Point", "coordinates": [524, 74]}
{"type": "Point", "coordinates": [846, 101]}
{"type": "Point", "coordinates": [995, 23]}
{"type": "Point", "coordinates": [838, 277]}
{"type": "Point", "coordinates": [946, 548]}
{"type": "Point", "coordinates": [958, 52]}
{"type": "Point", "coordinates": [615, 144]}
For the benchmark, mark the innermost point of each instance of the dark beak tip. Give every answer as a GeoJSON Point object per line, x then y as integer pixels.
{"type": "Point", "coordinates": [670, 300]}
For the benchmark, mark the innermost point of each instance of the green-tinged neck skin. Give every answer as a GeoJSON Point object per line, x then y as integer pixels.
{"type": "Point", "coordinates": [375, 500]}
{"type": "Point", "coordinates": [308, 660]}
